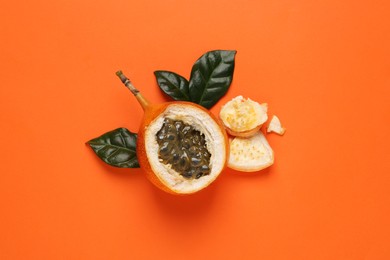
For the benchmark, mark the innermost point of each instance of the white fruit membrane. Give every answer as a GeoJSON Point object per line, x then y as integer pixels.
{"type": "Point", "coordinates": [275, 126]}
{"type": "Point", "coordinates": [215, 141]}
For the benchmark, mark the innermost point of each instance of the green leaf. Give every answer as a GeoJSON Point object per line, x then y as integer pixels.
{"type": "Point", "coordinates": [173, 85]}
{"type": "Point", "coordinates": [117, 148]}
{"type": "Point", "coordinates": [211, 77]}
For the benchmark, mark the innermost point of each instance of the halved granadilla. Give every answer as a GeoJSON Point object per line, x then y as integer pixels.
{"type": "Point", "coordinates": [181, 146]}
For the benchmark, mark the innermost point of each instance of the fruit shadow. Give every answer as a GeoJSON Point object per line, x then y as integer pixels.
{"type": "Point", "coordinates": [199, 205]}
{"type": "Point", "coordinates": [190, 207]}
{"type": "Point", "coordinates": [262, 174]}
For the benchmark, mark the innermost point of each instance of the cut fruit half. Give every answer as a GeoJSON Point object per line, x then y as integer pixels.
{"type": "Point", "coordinates": [250, 154]}
{"type": "Point", "coordinates": [243, 117]}
{"type": "Point", "coordinates": [181, 146]}
{"type": "Point", "coordinates": [173, 160]}
{"type": "Point", "coordinates": [275, 126]}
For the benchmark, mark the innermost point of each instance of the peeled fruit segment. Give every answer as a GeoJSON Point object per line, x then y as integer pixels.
{"type": "Point", "coordinates": [275, 126]}
{"type": "Point", "coordinates": [243, 117]}
{"type": "Point", "coordinates": [250, 154]}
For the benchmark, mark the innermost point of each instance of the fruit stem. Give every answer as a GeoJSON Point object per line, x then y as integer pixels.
{"type": "Point", "coordinates": [141, 99]}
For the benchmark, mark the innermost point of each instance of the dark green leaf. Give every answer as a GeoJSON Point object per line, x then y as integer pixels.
{"type": "Point", "coordinates": [173, 85]}
{"type": "Point", "coordinates": [211, 77]}
{"type": "Point", "coordinates": [117, 148]}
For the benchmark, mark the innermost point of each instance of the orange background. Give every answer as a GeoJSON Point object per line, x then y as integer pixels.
{"type": "Point", "coordinates": [322, 66]}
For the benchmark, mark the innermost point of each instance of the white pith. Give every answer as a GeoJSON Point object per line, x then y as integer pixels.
{"type": "Point", "coordinates": [275, 126]}
{"type": "Point", "coordinates": [215, 141]}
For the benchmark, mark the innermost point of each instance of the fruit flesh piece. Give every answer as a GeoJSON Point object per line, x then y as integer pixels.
{"type": "Point", "coordinates": [275, 126]}
{"type": "Point", "coordinates": [250, 154]}
{"type": "Point", "coordinates": [184, 148]}
{"type": "Point", "coordinates": [241, 115]}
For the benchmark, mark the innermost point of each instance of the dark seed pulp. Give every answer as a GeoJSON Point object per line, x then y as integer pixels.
{"type": "Point", "coordinates": [184, 148]}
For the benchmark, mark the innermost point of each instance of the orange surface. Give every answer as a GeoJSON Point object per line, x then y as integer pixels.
{"type": "Point", "coordinates": [322, 66]}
